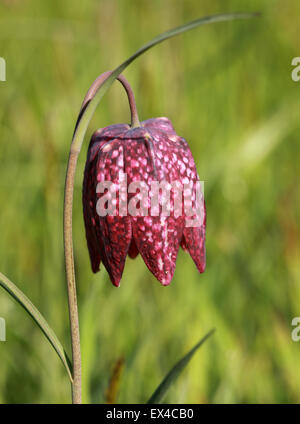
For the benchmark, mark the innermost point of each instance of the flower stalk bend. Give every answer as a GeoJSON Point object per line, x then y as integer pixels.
{"type": "Point", "coordinates": [68, 238]}
{"type": "Point", "coordinates": [92, 99]}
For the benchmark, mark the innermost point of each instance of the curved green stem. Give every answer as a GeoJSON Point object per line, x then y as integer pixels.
{"type": "Point", "coordinates": [92, 99]}
{"type": "Point", "coordinates": [68, 241]}
{"type": "Point", "coordinates": [70, 274]}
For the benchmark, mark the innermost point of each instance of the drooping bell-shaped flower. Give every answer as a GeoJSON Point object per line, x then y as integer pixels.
{"type": "Point", "coordinates": [141, 194]}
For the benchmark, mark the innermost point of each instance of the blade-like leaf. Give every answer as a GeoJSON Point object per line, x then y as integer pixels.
{"type": "Point", "coordinates": [114, 382]}
{"type": "Point", "coordinates": [23, 300]}
{"type": "Point", "coordinates": [86, 114]}
{"type": "Point", "coordinates": [88, 108]}
{"type": "Point", "coordinates": [172, 376]}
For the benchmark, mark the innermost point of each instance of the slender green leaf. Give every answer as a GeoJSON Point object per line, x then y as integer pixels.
{"type": "Point", "coordinates": [86, 115]}
{"type": "Point", "coordinates": [172, 376]}
{"type": "Point", "coordinates": [23, 300]}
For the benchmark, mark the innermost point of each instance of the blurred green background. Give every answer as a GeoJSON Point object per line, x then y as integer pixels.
{"type": "Point", "coordinates": [228, 90]}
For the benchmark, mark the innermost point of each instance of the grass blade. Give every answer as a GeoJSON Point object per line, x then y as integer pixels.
{"type": "Point", "coordinates": [112, 390]}
{"type": "Point", "coordinates": [86, 114]}
{"type": "Point", "coordinates": [23, 300]}
{"type": "Point", "coordinates": [97, 90]}
{"type": "Point", "coordinates": [172, 376]}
